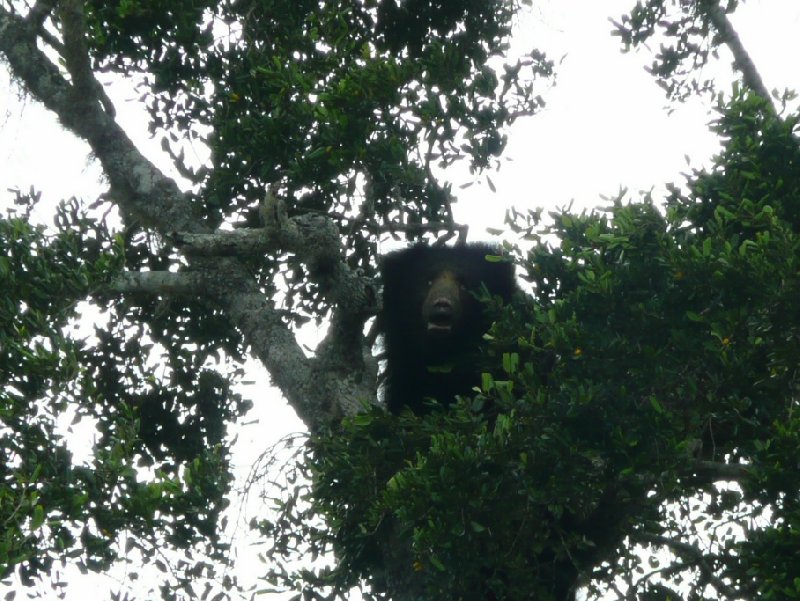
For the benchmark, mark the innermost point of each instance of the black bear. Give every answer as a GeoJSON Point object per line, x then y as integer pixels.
{"type": "Point", "coordinates": [432, 321]}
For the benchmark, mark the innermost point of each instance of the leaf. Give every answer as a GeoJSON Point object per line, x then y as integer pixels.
{"type": "Point", "coordinates": [362, 419]}
{"type": "Point", "coordinates": [38, 517]}
{"type": "Point", "coordinates": [510, 362]}
{"type": "Point", "coordinates": [437, 563]}
{"type": "Point", "coordinates": [656, 405]}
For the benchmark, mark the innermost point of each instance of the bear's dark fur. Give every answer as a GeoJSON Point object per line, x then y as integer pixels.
{"type": "Point", "coordinates": [432, 322]}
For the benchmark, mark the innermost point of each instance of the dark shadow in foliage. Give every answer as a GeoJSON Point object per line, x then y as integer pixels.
{"type": "Point", "coordinates": [433, 319]}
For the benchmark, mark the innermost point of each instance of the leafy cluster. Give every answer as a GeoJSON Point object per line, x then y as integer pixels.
{"type": "Point", "coordinates": [41, 276]}
{"type": "Point", "coordinates": [689, 41]}
{"type": "Point", "coordinates": [158, 479]}
{"type": "Point", "coordinates": [655, 361]}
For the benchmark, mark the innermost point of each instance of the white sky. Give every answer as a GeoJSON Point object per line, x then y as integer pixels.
{"type": "Point", "coordinates": [605, 126]}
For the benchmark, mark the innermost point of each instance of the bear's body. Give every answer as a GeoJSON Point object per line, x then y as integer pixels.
{"type": "Point", "coordinates": [432, 322]}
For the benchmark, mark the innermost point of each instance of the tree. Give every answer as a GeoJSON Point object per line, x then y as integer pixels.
{"type": "Point", "coordinates": [654, 363]}
{"type": "Point", "coordinates": [315, 113]}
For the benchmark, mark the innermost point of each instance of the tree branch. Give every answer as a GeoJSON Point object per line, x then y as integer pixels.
{"type": "Point", "coordinates": [314, 239]}
{"type": "Point", "coordinates": [248, 242]}
{"type": "Point", "coordinates": [156, 283]}
{"type": "Point", "coordinates": [316, 387]}
{"type": "Point", "coordinates": [143, 193]}
{"type": "Point", "coordinates": [750, 75]}
{"type": "Point", "coordinates": [333, 383]}
{"type": "Point", "coordinates": [40, 12]}
{"type": "Point", "coordinates": [76, 58]}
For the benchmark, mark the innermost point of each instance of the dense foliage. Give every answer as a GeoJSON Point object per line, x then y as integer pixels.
{"type": "Point", "coordinates": [646, 398]}
{"type": "Point", "coordinates": [54, 382]}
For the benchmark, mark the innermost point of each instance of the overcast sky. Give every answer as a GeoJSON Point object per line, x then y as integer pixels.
{"type": "Point", "coordinates": [605, 123]}
{"type": "Point", "coordinates": [605, 126]}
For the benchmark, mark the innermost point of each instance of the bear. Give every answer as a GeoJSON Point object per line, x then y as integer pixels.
{"type": "Point", "coordinates": [432, 321]}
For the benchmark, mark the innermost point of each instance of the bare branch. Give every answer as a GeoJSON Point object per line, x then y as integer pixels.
{"type": "Point", "coordinates": [233, 243]}
{"type": "Point", "coordinates": [313, 239]}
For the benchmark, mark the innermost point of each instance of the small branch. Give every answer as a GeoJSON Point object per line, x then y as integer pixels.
{"type": "Point", "coordinates": [752, 79]}
{"type": "Point", "coordinates": [178, 160]}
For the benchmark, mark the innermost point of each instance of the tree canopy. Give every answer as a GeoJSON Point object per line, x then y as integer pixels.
{"type": "Point", "coordinates": [636, 432]}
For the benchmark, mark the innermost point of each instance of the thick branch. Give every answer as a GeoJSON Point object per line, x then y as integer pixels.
{"type": "Point", "coordinates": [319, 389]}
{"type": "Point", "coordinates": [307, 241]}
{"type": "Point", "coordinates": [144, 195]}
{"type": "Point", "coordinates": [157, 283]}
{"type": "Point", "coordinates": [316, 241]}
{"type": "Point", "coordinates": [313, 239]}
{"type": "Point", "coordinates": [233, 243]}
{"type": "Point", "coordinates": [76, 57]}
{"type": "Point", "coordinates": [742, 60]}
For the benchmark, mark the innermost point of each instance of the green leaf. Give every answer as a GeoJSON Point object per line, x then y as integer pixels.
{"type": "Point", "coordinates": [437, 563]}
{"type": "Point", "coordinates": [38, 517]}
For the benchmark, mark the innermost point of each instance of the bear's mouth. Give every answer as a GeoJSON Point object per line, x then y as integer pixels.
{"type": "Point", "coordinates": [441, 317]}
{"type": "Point", "coordinates": [439, 327]}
